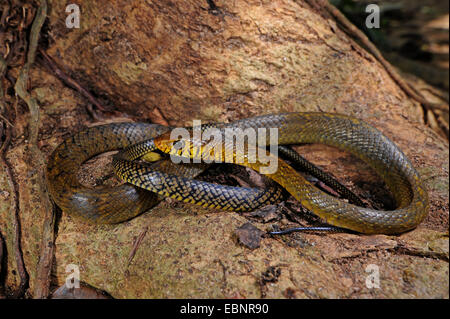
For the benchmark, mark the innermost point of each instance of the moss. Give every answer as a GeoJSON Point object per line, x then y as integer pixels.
{"type": "Point", "coordinates": [434, 179]}
{"type": "Point", "coordinates": [129, 72]}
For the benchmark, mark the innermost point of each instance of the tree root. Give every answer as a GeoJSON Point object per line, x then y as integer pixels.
{"type": "Point", "coordinates": [357, 34]}
{"type": "Point", "coordinates": [14, 208]}
{"type": "Point", "coordinates": [42, 281]}
{"type": "Point", "coordinates": [70, 82]}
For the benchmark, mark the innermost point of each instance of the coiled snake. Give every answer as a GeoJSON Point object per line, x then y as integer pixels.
{"type": "Point", "coordinates": [112, 205]}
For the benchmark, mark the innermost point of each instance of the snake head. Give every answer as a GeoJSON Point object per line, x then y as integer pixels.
{"type": "Point", "coordinates": [186, 145]}
{"type": "Point", "coordinates": [178, 146]}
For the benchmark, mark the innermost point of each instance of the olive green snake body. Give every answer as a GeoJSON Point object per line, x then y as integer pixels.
{"type": "Point", "coordinates": [346, 133]}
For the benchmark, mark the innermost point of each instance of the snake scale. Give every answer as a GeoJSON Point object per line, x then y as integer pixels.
{"type": "Point", "coordinates": [111, 205]}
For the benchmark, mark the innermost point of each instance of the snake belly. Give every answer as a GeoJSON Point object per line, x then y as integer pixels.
{"type": "Point", "coordinates": [345, 133]}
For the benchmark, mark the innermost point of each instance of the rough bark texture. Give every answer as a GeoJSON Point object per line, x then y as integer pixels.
{"type": "Point", "coordinates": [175, 61]}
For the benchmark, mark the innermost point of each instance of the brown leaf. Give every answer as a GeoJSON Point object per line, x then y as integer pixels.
{"type": "Point", "coordinates": [249, 235]}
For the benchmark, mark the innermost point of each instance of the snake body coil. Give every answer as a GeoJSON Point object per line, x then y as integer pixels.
{"type": "Point", "coordinates": [346, 133]}
{"type": "Point", "coordinates": [102, 204]}
{"type": "Point", "coordinates": [109, 205]}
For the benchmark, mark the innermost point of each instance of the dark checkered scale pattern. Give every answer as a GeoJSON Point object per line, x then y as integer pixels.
{"type": "Point", "coordinates": [102, 204]}
{"type": "Point", "coordinates": [346, 133]}
{"type": "Point", "coordinates": [186, 189]}
{"type": "Point", "coordinates": [107, 205]}
{"type": "Point", "coordinates": [368, 144]}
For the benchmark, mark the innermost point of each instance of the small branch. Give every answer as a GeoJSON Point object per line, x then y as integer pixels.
{"type": "Point", "coordinates": [2, 147]}
{"type": "Point", "coordinates": [6, 120]}
{"type": "Point", "coordinates": [43, 271]}
{"type": "Point", "coordinates": [14, 212]}
{"type": "Point", "coordinates": [3, 67]}
{"type": "Point", "coordinates": [50, 63]}
{"type": "Point", "coordinates": [136, 245]}
{"type": "Point", "coordinates": [409, 251]}
{"type": "Point", "coordinates": [94, 107]}
{"type": "Point", "coordinates": [14, 198]}
{"type": "Point", "coordinates": [22, 80]}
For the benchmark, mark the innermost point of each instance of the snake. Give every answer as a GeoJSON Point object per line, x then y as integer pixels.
{"type": "Point", "coordinates": [110, 205]}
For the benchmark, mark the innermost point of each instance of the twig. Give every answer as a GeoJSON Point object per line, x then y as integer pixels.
{"type": "Point", "coordinates": [6, 120]}
{"type": "Point", "coordinates": [14, 206]}
{"type": "Point", "coordinates": [3, 67]}
{"type": "Point", "coordinates": [136, 245]}
{"type": "Point", "coordinates": [2, 108]}
{"type": "Point", "coordinates": [22, 80]}
{"type": "Point", "coordinates": [14, 212]}
{"type": "Point", "coordinates": [43, 271]}
{"type": "Point", "coordinates": [51, 64]}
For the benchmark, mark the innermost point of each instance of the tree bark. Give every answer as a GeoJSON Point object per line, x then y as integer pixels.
{"type": "Point", "coordinates": [171, 62]}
